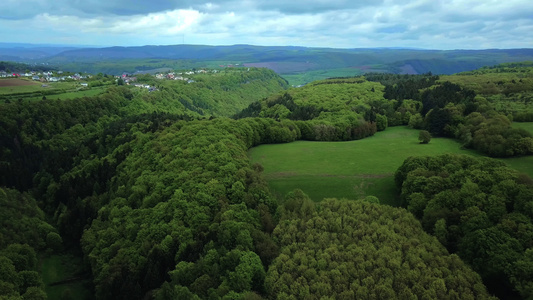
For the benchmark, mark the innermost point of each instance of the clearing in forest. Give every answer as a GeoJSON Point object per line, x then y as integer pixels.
{"type": "Point", "coordinates": [355, 169]}
{"type": "Point", "coordinates": [351, 170]}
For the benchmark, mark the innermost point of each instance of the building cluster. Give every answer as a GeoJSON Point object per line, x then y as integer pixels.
{"type": "Point", "coordinates": [127, 79]}
{"type": "Point", "coordinates": [182, 75]}
{"type": "Point", "coordinates": [146, 86]}
{"type": "Point", "coordinates": [46, 76]}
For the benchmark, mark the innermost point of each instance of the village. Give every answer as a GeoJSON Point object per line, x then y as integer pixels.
{"type": "Point", "coordinates": [46, 76]}
{"type": "Point", "coordinates": [88, 80]}
{"type": "Point", "coordinates": [183, 76]}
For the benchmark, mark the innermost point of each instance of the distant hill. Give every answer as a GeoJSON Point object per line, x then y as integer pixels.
{"type": "Point", "coordinates": [23, 52]}
{"type": "Point", "coordinates": [317, 63]}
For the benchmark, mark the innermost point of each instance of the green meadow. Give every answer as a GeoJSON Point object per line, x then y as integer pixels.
{"type": "Point", "coordinates": [35, 91]}
{"type": "Point", "coordinates": [353, 169]}
{"type": "Point", "coordinates": [301, 78]}
{"type": "Point", "coordinates": [524, 125]}
{"type": "Point", "coordinates": [73, 94]}
{"type": "Point", "coordinates": [35, 86]}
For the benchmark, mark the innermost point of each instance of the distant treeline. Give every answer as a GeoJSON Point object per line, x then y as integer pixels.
{"type": "Point", "coordinates": [14, 67]}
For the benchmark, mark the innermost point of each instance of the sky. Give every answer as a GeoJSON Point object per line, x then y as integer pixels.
{"type": "Point", "coordinates": [428, 24]}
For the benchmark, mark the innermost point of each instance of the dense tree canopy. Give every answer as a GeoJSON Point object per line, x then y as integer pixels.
{"type": "Point", "coordinates": [23, 232]}
{"type": "Point", "coordinates": [158, 191]}
{"type": "Point", "coordinates": [478, 208]}
{"type": "Point", "coordinates": [361, 250]}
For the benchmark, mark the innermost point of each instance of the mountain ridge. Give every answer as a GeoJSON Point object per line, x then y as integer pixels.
{"type": "Point", "coordinates": [286, 60]}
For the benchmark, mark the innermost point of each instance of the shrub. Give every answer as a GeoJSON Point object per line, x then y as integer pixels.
{"type": "Point", "coordinates": [424, 137]}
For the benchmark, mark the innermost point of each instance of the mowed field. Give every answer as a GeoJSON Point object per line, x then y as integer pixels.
{"type": "Point", "coordinates": [16, 88]}
{"type": "Point", "coordinates": [353, 169]}
{"type": "Point", "coordinates": [74, 94]}
{"type": "Point", "coordinates": [20, 86]}
{"type": "Point", "coordinates": [16, 85]}
{"type": "Point", "coordinates": [15, 82]}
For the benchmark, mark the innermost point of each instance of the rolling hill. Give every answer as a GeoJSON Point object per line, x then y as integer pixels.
{"type": "Point", "coordinates": [317, 63]}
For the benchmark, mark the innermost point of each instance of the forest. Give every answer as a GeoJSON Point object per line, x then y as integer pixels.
{"type": "Point", "coordinates": [157, 193]}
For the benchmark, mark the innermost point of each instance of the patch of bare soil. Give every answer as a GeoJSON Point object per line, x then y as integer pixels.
{"type": "Point", "coordinates": [15, 82]}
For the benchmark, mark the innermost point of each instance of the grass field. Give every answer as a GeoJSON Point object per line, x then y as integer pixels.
{"type": "Point", "coordinates": [14, 89]}
{"type": "Point", "coordinates": [525, 125]}
{"type": "Point", "coordinates": [301, 78]}
{"type": "Point", "coordinates": [57, 268]}
{"type": "Point", "coordinates": [72, 95]}
{"type": "Point", "coordinates": [13, 82]}
{"type": "Point", "coordinates": [346, 169]}
{"type": "Point", "coordinates": [17, 85]}
{"type": "Point", "coordinates": [304, 77]}
{"type": "Point", "coordinates": [37, 86]}
{"type": "Point", "coordinates": [353, 169]}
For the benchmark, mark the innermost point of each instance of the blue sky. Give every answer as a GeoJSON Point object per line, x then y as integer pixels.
{"type": "Point", "coordinates": [431, 24]}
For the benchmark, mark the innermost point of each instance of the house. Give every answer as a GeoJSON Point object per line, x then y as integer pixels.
{"type": "Point", "coordinates": [129, 79]}
{"type": "Point", "coordinates": [36, 78]}
{"type": "Point", "coordinates": [53, 79]}
{"type": "Point", "coordinates": [85, 84]}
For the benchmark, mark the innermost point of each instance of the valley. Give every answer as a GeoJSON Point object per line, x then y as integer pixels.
{"type": "Point", "coordinates": [219, 185]}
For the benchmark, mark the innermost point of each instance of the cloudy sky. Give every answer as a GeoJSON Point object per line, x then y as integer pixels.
{"type": "Point", "coordinates": [431, 24]}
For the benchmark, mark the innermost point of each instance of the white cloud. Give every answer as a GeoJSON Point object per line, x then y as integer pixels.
{"type": "Point", "coordinates": [331, 23]}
